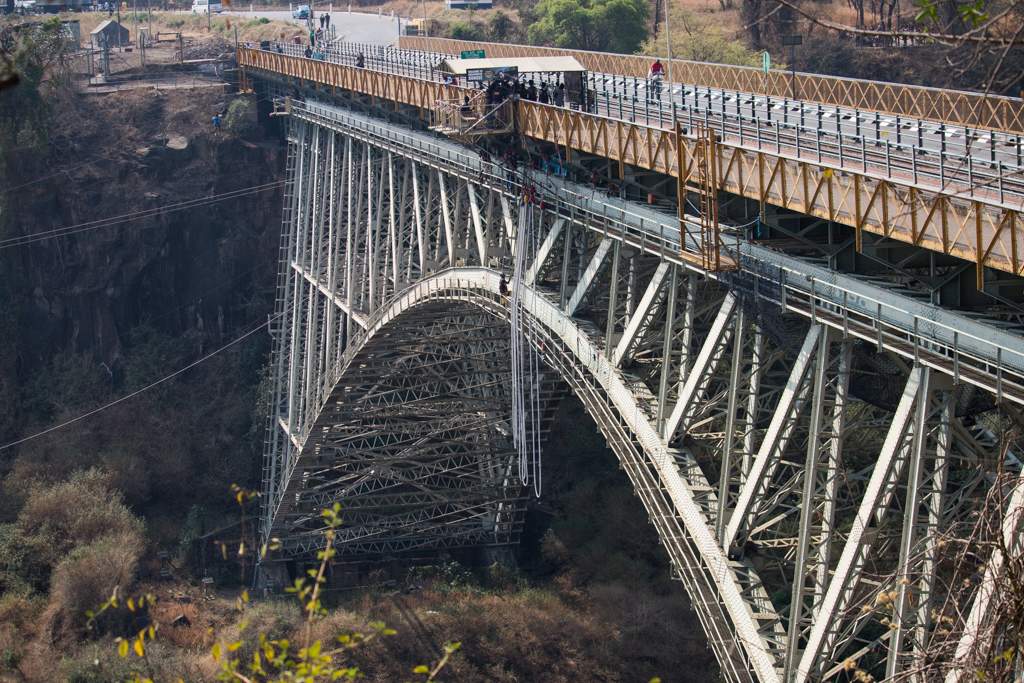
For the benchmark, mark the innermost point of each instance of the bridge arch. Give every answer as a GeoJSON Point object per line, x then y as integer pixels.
{"type": "Point", "coordinates": [354, 454]}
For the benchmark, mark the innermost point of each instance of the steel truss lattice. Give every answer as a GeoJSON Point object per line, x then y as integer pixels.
{"type": "Point", "coordinates": [787, 484]}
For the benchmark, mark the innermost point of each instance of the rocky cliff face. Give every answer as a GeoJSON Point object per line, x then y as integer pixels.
{"type": "Point", "coordinates": [147, 237]}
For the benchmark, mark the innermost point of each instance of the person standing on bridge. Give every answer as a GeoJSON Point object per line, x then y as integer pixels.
{"type": "Point", "coordinates": [560, 95]}
{"type": "Point", "coordinates": [655, 75]}
{"type": "Point", "coordinates": [312, 38]}
{"type": "Point", "coordinates": [503, 287]}
{"type": "Point", "coordinates": [511, 166]}
{"type": "Point", "coordinates": [360, 61]}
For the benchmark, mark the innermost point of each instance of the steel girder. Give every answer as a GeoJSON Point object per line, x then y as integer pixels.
{"type": "Point", "coordinates": [972, 219]}
{"type": "Point", "coordinates": [783, 499]}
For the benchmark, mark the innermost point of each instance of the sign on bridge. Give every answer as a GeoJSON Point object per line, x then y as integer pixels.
{"type": "Point", "coordinates": [472, 54]}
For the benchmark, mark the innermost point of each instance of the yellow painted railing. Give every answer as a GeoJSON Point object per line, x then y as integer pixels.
{"type": "Point", "coordinates": [978, 229]}
{"type": "Point", "coordinates": [975, 110]}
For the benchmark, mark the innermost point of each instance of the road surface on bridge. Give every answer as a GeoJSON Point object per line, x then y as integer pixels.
{"type": "Point", "coordinates": [918, 159]}
{"type": "Point", "coordinates": [359, 27]}
{"type": "Point", "coordinates": [630, 98]}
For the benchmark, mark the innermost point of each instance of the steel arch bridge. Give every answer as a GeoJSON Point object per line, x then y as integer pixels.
{"type": "Point", "coordinates": [797, 436]}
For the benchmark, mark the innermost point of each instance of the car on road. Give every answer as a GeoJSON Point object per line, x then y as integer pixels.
{"type": "Point", "coordinates": [301, 12]}
{"type": "Point", "coordinates": [207, 7]}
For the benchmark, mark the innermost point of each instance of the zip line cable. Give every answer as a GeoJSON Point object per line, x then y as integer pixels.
{"type": "Point", "coordinates": [60, 172]}
{"type": "Point", "coordinates": [147, 388]}
{"type": "Point", "coordinates": [170, 312]}
{"type": "Point", "coordinates": [137, 215]}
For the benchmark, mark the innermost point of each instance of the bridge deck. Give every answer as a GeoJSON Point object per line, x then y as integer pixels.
{"type": "Point", "coordinates": [894, 192]}
{"type": "Point", "coordinates": [969, 109]}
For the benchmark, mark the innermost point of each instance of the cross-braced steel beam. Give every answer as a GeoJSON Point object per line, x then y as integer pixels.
{"type": "Point", "coordinates": [798, 438]}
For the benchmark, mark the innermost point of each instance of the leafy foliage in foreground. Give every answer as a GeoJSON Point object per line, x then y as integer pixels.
{"type": "Point", "coordinates": [274, 661]}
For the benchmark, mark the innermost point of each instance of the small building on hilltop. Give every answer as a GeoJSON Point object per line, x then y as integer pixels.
{"type": "Point", "coordinates": [111, 33]}
{"type": "Point", "coordinates": [466, 4]}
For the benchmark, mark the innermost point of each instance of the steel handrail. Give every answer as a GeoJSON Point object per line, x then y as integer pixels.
{"type": "Point", "coordinates": [931, 170]}
{"type": "Point", "coordinates": [398, 60]}
{"type": "Point", "coordinates": [965, 348]}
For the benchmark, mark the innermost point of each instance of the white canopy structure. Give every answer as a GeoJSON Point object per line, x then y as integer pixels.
{"type": "Point", "coordinates": [458, 67]}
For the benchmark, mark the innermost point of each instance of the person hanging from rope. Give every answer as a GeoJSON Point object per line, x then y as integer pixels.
{"type": "Point", "coordinates": [485, 166]}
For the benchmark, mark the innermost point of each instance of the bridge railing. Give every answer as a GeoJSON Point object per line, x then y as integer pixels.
{"type": "Point", "coordinates": [870, 187]}
{"type": "Point", "coordinates": [934, 104]}
{"type": "Point", "coordinates": [467, 119]}
{"type": "Point", "coordinates": [898, 156]}
{"type": "Point", "coordinates": [631, 97]}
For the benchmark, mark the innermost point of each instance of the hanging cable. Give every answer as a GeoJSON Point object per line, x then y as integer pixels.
{"type": "Point", "coordinates": [525, 343]}
{"type": "Point", "coordinates": [146, 388]}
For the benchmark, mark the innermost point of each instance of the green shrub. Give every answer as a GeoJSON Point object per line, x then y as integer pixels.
{"type": "Point", "coordinates": [128, 473]}
{"type": "Point", "coordinates": [150, 357]}
{"type": "Point", "coordinates": [77, 512]}
{"type": "Point", "coordinates": [20, 564]}
{"type": "Point", "coordinates": [447, 576]}
{"type": "Point", "coordinates": [461, 30]}
{"type": "Point", "coordinates": [195, 526]}
{"type": "Point", "coordinates": [89, 576]}
{"type": "Point", "coordinates": [235, 120]}
{"type": "Point", "coordinates": [68, 383]}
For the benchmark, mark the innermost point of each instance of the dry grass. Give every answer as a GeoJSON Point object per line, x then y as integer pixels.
{"type": "Point", "coordinates": [188, 24]}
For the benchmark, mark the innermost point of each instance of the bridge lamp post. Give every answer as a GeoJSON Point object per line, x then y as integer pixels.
{"type": "Point", "coordinates": [671, 81]}
{"type": "Point", "coordinates": [426, 34]}
{"type": "Point", "coordinates": [793, 41]}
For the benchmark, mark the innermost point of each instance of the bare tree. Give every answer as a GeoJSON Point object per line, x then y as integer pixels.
{"type": "Point", "coordinates": [970, 624]}
{"type": "Point", "coordinates": [982, 40]}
